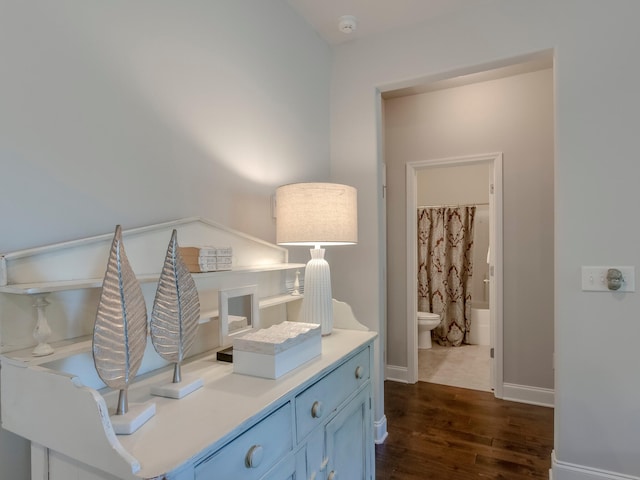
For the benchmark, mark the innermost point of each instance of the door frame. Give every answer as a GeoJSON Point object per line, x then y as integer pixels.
{"type": "Point", "coordinates": [495, 265]}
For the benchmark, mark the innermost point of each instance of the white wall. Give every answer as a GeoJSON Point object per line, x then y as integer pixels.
{"type": "Point", "coordinates": [134, 113]}
{"type": "Point", "coordinates": [596, 173]}
{"type": "Point", "coordinates": [512, 115]}
{"type": "Point", "coordinates": [138, 112]}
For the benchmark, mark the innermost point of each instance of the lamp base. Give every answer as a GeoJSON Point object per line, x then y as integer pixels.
{"type": "Point", "coordinates": [317, 303]}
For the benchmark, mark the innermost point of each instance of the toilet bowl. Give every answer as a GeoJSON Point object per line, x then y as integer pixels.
{"type": "Point", "coordinates": [426, 322]}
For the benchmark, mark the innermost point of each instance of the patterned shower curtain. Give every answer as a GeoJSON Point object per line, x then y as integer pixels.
{"type": "Point", "coordinates": [445, 248]}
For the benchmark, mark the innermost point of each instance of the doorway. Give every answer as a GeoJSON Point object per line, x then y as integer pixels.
{"type": "Point", "coordinates": [511, 114]}
{"type": "Point", "coordinates": [491, 166]}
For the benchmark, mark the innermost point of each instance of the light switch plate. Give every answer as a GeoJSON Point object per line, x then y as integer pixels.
{"type": "Point", "coordinates": [594, 279]}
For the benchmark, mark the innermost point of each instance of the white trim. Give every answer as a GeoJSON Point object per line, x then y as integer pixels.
{"type": "Point", "coordinates": [137, 231]}
{"type": "Point", "coordinates": [495, 206]}
{"type": "Point", "coordinates": [543, 397]}
{"type": "Point", "coordinates": [395, 373]}
{"type": "Point", "coordinates": [570, 471]}
{"type": "Point", "coordinates": [380, 433]}
{"type": "Point", "coordinates": [39, 462]}
{"type": "Point", "coordinates": [412, 260]}
{"type": "Point", "coordinates": [496, 280]}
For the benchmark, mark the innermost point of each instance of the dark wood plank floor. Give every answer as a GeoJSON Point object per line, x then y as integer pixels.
{"type": "Point", "coordinates": [448, 433]}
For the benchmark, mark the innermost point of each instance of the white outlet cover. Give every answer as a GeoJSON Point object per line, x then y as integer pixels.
{"type": "Point", "coordinates": [594, 279]}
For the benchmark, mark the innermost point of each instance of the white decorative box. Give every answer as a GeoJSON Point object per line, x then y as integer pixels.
{"type": "Point", "coordinates": [272, 352]}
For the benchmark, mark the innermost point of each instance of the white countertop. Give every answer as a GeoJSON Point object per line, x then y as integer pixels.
{"type": "Point", "coordinates": [182, 429]}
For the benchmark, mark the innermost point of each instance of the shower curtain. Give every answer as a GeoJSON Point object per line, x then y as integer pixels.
{"type": "Point", "coordinates": [445, 248]}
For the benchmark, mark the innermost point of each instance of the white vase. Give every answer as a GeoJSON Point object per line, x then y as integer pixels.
{"type": "Point", "coordinates": [317, 305]}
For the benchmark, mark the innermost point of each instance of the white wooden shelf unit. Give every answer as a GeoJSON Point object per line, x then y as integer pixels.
{"type": "Point", "coordinates": [314, 421]}
{"type": "Point", "coordinates": [64, 285]}
{"type": "Point", "coordinates": [80, 265]}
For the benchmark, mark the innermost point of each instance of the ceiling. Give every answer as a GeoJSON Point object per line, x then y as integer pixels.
{"type": "Point", "coordinates": [373, 16]}
{"type": "Point", "coordinates": [377, 16]}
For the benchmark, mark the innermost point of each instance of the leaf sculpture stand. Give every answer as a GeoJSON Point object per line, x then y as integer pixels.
{"type": "Point", "coordinates": [120, 337]}
{"type": "Point", "coordinates": [174, 320]}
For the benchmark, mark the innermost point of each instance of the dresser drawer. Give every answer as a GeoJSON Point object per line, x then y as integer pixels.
{"type": "Point", "coordinates": [317, 402]}
{"type": "Point", "coordinates": [254, 452]}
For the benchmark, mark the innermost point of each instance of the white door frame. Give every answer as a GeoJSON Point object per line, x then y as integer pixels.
{"type": "Point", "coordinates": [495, 265]}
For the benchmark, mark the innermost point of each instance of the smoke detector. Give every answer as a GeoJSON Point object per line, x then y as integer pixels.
{"type": "Point", "coordinates": [347, 24]}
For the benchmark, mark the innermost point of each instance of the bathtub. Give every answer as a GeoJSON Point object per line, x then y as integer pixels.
{"type": "Point", "coordinates": [480, 325]}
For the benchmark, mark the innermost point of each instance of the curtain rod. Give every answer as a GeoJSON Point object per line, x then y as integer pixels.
{"type": "Point", "coordinates": [454, 205]}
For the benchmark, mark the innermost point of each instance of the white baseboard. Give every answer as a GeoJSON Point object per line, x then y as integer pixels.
{"type": "Point", "coordinates": [543, 397]}
{"type": "Point", "coordinates": [516, 393]}
{"type": "Point", "coordinates": [380, 430]}
{"type": "Point", "coordinates": [396, 374]}
{"type": "Point", "coordinates": [570, 471]}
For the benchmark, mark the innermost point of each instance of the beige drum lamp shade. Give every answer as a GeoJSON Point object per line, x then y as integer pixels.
{"type": "Point", "coordinates": [317, 214]}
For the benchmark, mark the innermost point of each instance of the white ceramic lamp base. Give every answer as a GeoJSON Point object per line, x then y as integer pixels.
{"type": "Point", "coordinates": [317, 303]}
{"type": "Point", "coordinates": [178, 390]}
{"type": "Point", "coordinates": [137, 415]}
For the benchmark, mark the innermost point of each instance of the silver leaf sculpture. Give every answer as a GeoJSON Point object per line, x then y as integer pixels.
{"type": "Point", "coordinates": [120, 329]}
{"type": "Point", "coordinates": [176, 309]}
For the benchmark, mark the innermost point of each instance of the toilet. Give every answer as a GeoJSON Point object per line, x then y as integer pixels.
{"type": "Point", "coordinates": [426, 322]}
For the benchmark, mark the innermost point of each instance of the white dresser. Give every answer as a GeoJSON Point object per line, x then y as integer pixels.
{"type": "Point", "coordinates": [313, 423]}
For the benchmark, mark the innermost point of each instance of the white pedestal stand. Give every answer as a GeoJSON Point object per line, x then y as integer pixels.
{"type": "Point", "coordinates": [137, 415]}
{"type": "Point", "coordinates": [178, 390]}
{"type": "Point", "coordinates": [42, 331]}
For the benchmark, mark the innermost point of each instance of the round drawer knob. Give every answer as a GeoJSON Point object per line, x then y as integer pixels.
{"type": "Point", "coordinates": [332, 475]}
{"type": "Point", "coordinates": [316, 409]}
{"type": "Point", "coordinates": [359, 372]}
{"type": "Point", "coordinates": [254, 456]}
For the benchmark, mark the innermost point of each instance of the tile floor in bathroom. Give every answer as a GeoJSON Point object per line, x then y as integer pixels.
{"type": "Point", "coordinates": [467, 366]}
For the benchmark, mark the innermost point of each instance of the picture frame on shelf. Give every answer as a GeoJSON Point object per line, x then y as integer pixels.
{"type": "Point", "coordinates": [239, 312]}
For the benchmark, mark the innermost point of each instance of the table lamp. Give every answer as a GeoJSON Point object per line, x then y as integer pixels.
{"type": "Point", "coordinates": [317, 214]}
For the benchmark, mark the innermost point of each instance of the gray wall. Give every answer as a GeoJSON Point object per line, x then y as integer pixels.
{"type": "Point", "coordinates": [596, 78]}
{"type": "Point", "coordinates": [460, 184]}
{"type": "Point", "coordinates": [514, 116]}
{"type": "Point", "coordinates": [134, 113]}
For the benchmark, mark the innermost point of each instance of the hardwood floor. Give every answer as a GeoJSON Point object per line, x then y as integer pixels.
{"type": "Point", "coordinates": [449, 433]}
